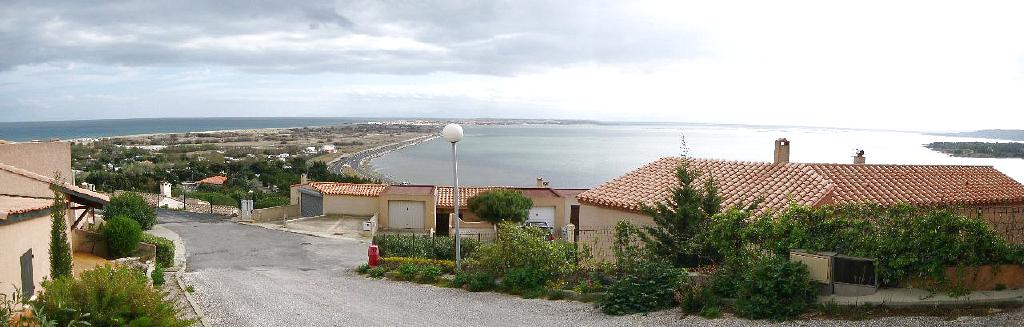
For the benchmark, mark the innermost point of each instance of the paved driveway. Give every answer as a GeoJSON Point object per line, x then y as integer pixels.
{"type": "Point", "coordinates": [251, 276]}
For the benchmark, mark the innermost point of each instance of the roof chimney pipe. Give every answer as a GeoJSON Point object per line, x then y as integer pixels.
{"type": "Point", "coordinates": [781, 151]}
{"type": "Point", "coordinates": [541, 183]}
{"type": "Point", "coordinates": [859, 158]}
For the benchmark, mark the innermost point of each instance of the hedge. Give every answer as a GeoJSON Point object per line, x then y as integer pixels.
{"type": "Point", "coordinates": [393, 263]}
{"type": "Point", "coordinates": [164, 249]}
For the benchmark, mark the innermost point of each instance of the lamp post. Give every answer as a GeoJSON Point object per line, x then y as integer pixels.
{"type": "Point", "coordinates": [453, 133]}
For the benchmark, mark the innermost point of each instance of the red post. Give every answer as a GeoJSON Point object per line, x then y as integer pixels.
{"type": "Point", "coordinates": [374, 254]}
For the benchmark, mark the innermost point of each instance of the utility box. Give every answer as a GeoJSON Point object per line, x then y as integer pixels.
{"type": "Point", "coordinates": [819, 264]}
{"type": "Point", "coordinates": [853, 276]}
{"type": "Point", "coordinates": [838, 274]}
{"type": "Point", "coordinates": [367, 226]}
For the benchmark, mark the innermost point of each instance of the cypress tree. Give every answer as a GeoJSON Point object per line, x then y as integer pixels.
{"type": "Point", "coordinates": [60, 249]}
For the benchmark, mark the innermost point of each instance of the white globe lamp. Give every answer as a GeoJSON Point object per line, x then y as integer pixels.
{"type": "Point", "coordinates": [452, 133]}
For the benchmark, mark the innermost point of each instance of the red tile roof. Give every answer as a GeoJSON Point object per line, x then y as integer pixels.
{"type": "Point", "coordinates": [214, 180]}
{"type": "Point", "coordinates": [444, 195]}
{"type": "Point", "coordinates": [16, 205]}
{"type": "Point", "coordinates": [813, 184]}
{"type": "Point", "coordinates": [332, 188]}
{"type": "Point", "coordinates": [409, 190]}
{"type": "Point", "coordinates": [67, 187]}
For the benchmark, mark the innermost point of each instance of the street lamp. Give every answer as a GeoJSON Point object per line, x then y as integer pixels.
{"type": "Point", "coordinates": [453, 133]}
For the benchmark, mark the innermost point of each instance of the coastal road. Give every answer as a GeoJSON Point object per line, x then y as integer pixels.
{"type": "Point", "coordinates": [357, 159]}
{"type": "Point", "coordinates": [250, 276]}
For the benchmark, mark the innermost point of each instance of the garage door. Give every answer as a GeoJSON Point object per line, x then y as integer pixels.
{"type": "Point", "coordinates": [311, 205]}
{"type": "Point", "coordinates": [405, 214]}
{"type": "Point", "coordinates": [546, 214]}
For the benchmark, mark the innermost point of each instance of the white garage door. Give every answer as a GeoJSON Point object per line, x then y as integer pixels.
{"type": "Point", "coordinates": [546, 214]}
{"type": "Point", "coordinates": [405, 214]}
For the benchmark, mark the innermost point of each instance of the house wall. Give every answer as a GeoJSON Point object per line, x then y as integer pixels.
{"type": "Point", "coordinates": [293, 197]}
{"type": "Point", "coordinates": [351, 205]}
{"type": "Point", "coordinates": [275, 213]}
{"type": "Point", "coordinates": [15, 184]}
{"type": "Point", "coordinates": [1006, 220]}
{"type": "Point", "coordinates": [561, 209]}
{"type": "Point", "coordinates": [15, 239]}
{"type": "Point", "coordinates": [429, 209]}
{"type": "Point", "coordinates": [595, 217]}
{"type": "Point", "coordinates": [44, 158]}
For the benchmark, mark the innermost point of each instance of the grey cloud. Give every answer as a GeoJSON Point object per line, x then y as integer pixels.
{"type": "Point", "coordinates": [411, 37]}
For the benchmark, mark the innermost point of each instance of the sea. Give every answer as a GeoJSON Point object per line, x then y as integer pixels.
{"type": "Point", "coordinates": [584, 156]}
{"type": "Point", "coordinates": [75, 129]}
{"type": "Point", "coordinates": [568, 156]}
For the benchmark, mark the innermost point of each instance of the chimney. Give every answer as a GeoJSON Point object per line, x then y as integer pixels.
{"type": "Point", "coordinates": [781, 151]}
{"type": "Point", "coordinates": [303, 179]}
{"type": "Point", "coordinates": [541, 182]}
{"type": "Point", "coordinates": [165, 189]}
{"type": "Point", "coordinates": [859, 158]}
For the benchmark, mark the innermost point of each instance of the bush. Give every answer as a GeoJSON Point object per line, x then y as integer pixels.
{"type": "Point", "coordinates": [475, 281]}
{"type": "Point", "coordinates": [164, 249]}
{"type": "Point", "coordinates": [500, 205]}
{"type": "Point", "coordinates": [522, 247]}
{"type": "Point", "coordinates": [158, 275]}
{"type": "Point", "coordinates": [362, 269]}
{"type": "Point", "coordinates": [422, 246]}
{"type": "Point", "coordinates": [392, 263]}
{"type": "Point", "coordinates": [775, 289]}
{"type": "Point", "coordinates": [650, 286]}
{"type": "Point", "coordinates": [524, 281]}
{"type": "Point", "coordinates": [428, 274]}
{"type": "Point", "coordinates": [123, 236]}
{"type": "Point", "coordinates": [107, 296]}
{"type": "Point", "coordinates": [376, 272]}
{"type": "Point", "coordinates": [133, 206]}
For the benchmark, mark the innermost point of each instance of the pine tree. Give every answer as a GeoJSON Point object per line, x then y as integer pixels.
{"type": "Point", "coordinates": [679, 221]}
{"type": "Point", "coordinates": [60, 249]}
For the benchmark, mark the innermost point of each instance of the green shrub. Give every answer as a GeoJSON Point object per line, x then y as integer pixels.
{"type": "Point", "coordinates": [362, 269]}
{"type": "Point", "coordinates": [422, 246]}
{"type": "Point", "coordinates": [428, 274]}
{"type": "Point", "coordinates": [107, 296]}
{"type": "Point", "coordinates": [407, 271]}
{"type": "Point", "coordinates": [158, 275]}
{"type": "Point", "coordinates": [164, 249]}
{"type": "Point", "coordinates": [60, 248]}
{"type": "Point", "coordinates": [775, 289]}
{"type": "Point", "coordinates": [523, 281]}
{"type": "Point", "coordinates": [392, 263]}
{"type": "Point", "coordinates": [133, 206]}
{"type": "Point", "coordinates": [123, 235]}
{"type": "Point", "coordinates": [475, 281]}
{"type": "Point", "coordinates": [649, 286]}
{"type": "Point", "coordinates": [521, 247]}
{"type": "Point", "coordinates": [376, 272]}
{"type": "Point", "coordinates": [216, 198]}
{"type": "Point", "coordinates": [501, 205]}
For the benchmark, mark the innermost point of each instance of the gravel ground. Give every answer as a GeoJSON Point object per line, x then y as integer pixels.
{"type": "Point", "coordinates": [250, 276]}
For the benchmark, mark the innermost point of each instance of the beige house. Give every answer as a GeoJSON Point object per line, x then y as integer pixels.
{"type": "Point", "coordinates": [415, 208]}
{"type": "Point", "coordinates": [26, 194]}
{"type": "Point", "coordinates": [980, 190]}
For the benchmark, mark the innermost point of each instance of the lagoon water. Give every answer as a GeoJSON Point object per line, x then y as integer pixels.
{"type": "Point", "coordinates": [583, 156]}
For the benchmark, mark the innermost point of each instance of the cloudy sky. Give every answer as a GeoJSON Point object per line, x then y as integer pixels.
{"type": "Point", "coordinates": [928, 65]}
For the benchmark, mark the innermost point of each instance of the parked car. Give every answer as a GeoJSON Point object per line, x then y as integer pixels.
{"type": "Point", "coordinates": [542, 225]}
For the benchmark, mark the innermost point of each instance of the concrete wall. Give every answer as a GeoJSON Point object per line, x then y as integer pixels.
{"type": "Point", "coordinates": [275, 213]}
{"type": "Point", "coordinates": [15, 239]}
{"type": "Point", "coordinates": [429, 209]}
{"type": "Point", "coordinates": [15, 184]}
{"type": "Point", "coordinates": [45, 158]}
{"type": "Point", "coordinates": [593, 217]}
{"type": "Point", "coordinates": [351, 205]}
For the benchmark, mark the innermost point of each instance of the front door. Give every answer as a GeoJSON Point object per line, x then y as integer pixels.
{"type": "Point", "coordinates": [28, 285]}
{"type": "Point", "coordinates": [441, 227]}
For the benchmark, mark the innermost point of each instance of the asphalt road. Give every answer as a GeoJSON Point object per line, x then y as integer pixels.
{"type": "Point", "coordinates": [250, 276]}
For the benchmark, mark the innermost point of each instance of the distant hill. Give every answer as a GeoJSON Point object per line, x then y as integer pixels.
{"type": "Point", "coordinates": [1002, 134]}
{"type": "Point", "coordinates": [979, 149]}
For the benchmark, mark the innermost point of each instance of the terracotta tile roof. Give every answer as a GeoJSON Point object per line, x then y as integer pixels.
{"type": "Point", "coordinates": [214, 180]}
{"type": "Point", "coordinates": [921, 185]}
{"type": "Point", "coordinates": [409, 190]}
{"type": "Point", "coordinates": [67, 187]}
{"type": "Point", "coordinates": [332, 188]}
{"type": "Point", "coordinates": [813, 184]}
{"type": "Point", "coordinates": [16, 205]}
{"type": "Point", "coordinates": [444, 195]}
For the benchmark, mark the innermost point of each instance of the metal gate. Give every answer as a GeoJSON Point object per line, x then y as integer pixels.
{"type": "Point", "coordinates": [28, 285]}
{"type": "Point", "coordinates": [311, 204]}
